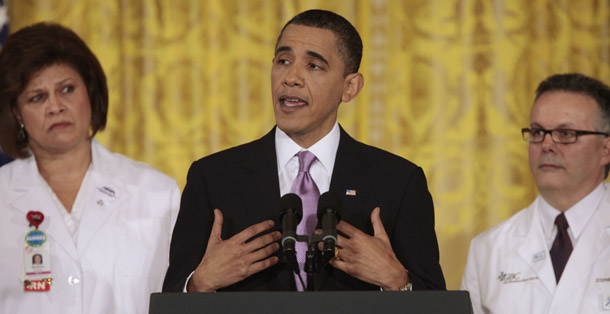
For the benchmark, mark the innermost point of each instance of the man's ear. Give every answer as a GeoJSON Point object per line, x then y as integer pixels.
{"type": "Point", "coordinates": [352, 85]}
{"type": "Point", "coordinates": [606, 151]}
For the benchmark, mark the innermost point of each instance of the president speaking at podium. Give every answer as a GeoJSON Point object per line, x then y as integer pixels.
{"type": "Point", "coordinates": [227, 234]}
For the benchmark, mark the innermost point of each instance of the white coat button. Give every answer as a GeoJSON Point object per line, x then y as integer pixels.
{"type": "Point", "coordinates": [73, 281]}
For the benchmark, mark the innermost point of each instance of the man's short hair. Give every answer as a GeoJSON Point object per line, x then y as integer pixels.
{"type": "Point", "coordinates": [582, 84]}
{"type": "Point", "coordinates": [349, 44]}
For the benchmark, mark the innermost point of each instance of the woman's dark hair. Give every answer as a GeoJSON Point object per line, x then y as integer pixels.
{"type": "Point", "coordinates": [32, 49]}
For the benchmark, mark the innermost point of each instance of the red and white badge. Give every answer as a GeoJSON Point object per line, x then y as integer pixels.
{"type": "Point", "coordinates": [37, 285]}
{"type": "Point", "coordinates": [36, 263]}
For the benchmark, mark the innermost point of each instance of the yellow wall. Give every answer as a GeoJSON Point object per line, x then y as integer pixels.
{"type": "Point", "coordinates": [448, 84]}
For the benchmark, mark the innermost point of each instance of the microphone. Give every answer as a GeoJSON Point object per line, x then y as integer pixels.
{"type": "Point", "coordinates": [291, 213]}
{"type": "Point", "coordinates": [330, 209]}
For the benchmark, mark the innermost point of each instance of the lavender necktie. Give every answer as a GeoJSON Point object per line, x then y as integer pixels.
{"type": "Point", "coordinates": [306, 188]}
{"type": "Point", "coordinates": [562, 246]}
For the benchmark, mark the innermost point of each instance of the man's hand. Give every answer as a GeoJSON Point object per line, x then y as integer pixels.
{"type": "Point", "coordinates": [369, 258]}
{"type": "Point", "coordinates": [226, 262]}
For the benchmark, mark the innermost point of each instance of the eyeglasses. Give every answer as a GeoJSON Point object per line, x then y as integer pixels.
{"type": "Point", "coordinates": [560, 136]}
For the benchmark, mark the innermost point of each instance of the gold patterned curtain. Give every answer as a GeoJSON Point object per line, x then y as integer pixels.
{"type": "Point", "coordinates": [448, 85]}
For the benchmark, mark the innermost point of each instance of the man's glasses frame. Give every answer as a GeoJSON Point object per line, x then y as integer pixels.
{"type": "Point", "coordinates": [559, 136]}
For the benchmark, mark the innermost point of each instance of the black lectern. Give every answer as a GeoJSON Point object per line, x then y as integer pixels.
{"type": "Point", "coordinates": [335, 302]}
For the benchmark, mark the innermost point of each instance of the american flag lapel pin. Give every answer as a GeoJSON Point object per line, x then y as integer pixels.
{"type": "Point", "coordinates": [350, 192]}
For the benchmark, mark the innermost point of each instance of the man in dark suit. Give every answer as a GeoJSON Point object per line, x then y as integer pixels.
{"type": "Point", "coordinates": [225, 238]}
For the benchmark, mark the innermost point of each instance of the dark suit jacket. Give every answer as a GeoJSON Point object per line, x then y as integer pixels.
{"type": "Point", "coordinates": [243, 183]}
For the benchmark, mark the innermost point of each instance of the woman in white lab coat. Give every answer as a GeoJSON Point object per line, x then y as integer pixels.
{"type": "Point", "coordinates": [100, 221]}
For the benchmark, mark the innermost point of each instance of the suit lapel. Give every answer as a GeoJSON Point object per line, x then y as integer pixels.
{"type": "Point", "coordinates": [348, 175]}
{"type": "Point", "coordinates": [260, 191]}
{"type": "Point", "coordinates": [533, 250]}
{"type": "Point", "coordinates": [594, 240]}
{"type": "Point", "coordinates": [260, 188]}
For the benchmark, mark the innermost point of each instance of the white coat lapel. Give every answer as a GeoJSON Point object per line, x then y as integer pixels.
{"type": "Point", "coordinates": [100, 203]}
{"type": "Point", "coordinates": [29, 192]}
{"type": "Point", "coordinates": [103, 194]}
{"type": "Point", "coordinates": [593, 240]}
{"type": "Point", "coordinates": [533, 249]}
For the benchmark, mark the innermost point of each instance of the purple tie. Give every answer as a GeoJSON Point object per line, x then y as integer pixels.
{"type": "Point", "coordinates": [306, 188]}
{"type": "Point", "coordinates": [562, 246]}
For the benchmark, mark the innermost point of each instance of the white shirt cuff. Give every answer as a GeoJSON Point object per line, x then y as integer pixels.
{"type": "Point", "coordinates": [187, 281]}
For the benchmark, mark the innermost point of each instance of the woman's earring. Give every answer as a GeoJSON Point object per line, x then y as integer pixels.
{"type": "Point", "coordinates": [21, 135]}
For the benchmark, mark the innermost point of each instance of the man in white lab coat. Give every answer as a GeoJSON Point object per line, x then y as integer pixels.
{"type": "Point", "coordinates": [554, 256]}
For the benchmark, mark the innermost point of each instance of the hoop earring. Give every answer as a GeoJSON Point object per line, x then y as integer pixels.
{"type": "Point", "coordinates": [21, 135]}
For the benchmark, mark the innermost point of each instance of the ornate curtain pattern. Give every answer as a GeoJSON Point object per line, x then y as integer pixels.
{"type": "Point", "coordinates": [448, 85]}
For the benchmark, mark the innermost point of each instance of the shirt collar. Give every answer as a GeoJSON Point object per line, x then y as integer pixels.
{"type": "Point", "coordinates": [577, 215]}
{"type": "Point", "coordinates": [325, 149]}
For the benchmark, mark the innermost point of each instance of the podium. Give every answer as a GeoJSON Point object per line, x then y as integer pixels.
{"type": "Point", "coordinates": [319, 302]}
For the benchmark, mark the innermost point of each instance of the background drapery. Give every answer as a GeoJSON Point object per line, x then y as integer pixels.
{"type": "Point", "coordinates": [448, 85]}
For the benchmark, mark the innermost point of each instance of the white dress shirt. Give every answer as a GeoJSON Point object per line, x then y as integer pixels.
{"type": "Point", "coordinates": [321, 170]}
{"type": "Point", "coordinates": [577, 216]}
